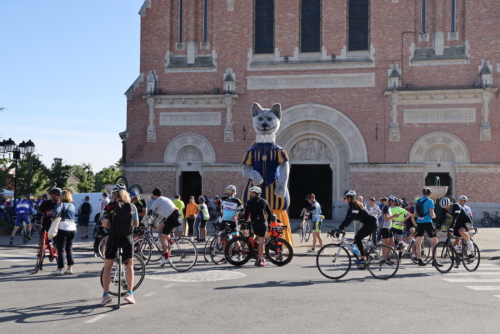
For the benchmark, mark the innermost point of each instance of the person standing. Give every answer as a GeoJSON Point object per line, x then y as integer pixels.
{"type": "Point", "coordinates": [190, 217]}
{"type": "Point", "coordinates": [179, 204]}
{"type": "Point", "coordinates": [140, 204]}
{"type": "Point", "coordinates": [386, 228]}
{"type": "Point", "coordinates": [202, 217]}
{"type": "Point", "coordinates": [424, 209]}
{"type": "Point", "coordinates": [316, 219]}
{"type": "Point", "coordinates": [66, 233]}
{"type": "Point", "coordinates": [104, 204]}
{"type": "Point", "coordinates": [376, 212]}
{"type": "Point", "coordinates": [84, 212]}
{"type": "Point", "coordinates": [217, 203]}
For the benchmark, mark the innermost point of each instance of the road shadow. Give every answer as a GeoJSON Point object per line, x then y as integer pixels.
{"type": "Point", "coordinates": [76, 309]}
{"type": "Point", "coordinates": [29, 275]}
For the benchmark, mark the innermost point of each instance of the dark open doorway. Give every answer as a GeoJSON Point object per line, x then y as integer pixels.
{"type": "Point", "coordinates": [306, 179]}
{"type": "Point", "coordinates": [444, 178]}
{"type": "Point", "coordinates": [190, 185]}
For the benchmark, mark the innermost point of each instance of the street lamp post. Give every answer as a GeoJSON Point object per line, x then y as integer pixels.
{"type": "Point", "coordinates": [9, 146]}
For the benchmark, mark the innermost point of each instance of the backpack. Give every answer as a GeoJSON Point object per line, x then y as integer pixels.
{"type": "Point", "coordinates": [419, 208]}
{"type": "Point", "coordinates": [123, 219]}
{"type": "Point", "coordinates": [85, 208]}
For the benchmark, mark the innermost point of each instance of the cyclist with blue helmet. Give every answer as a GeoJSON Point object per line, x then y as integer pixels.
{"type": "Point", "coordinates": [139, 203]}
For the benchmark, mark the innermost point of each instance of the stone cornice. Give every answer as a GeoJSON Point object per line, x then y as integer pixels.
{"type": "Point", "coordinates": [386, 168]}
{"type": "Point", "coordinates": [191, 101]}
{"type": "Point", "coordinates": [438, 96]}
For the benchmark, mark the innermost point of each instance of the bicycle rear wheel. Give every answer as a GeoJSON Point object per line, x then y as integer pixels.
{"type": "Point", "coordinates": [24, 235]}
{"type": "Point", "coordinates": [121, 277]}
{"type": "Point", "coordinates": [472, 263]}
{"type": "Point", "coordinates": [333, 261]}
{"type": "Point", "coordinates": [102, 247]}
{"type": "Point", "coordinates": [206, 250]}
{"type": "Point", "coordinates": [183, 254]}
{"type": "Point", "coordinates": [445, 255]}
{"type": "Point", "coordinates": [237, 251]}
{"type": "Point", "coordinates": [425, 252]}
{"type": "Point", "coordinates": [301, 232]}
{"type": "Point", "coordinates": [40, 255]}
{"type": "Point", "coordinates": [117, 283]}
{"type": "Point", "coordinates": [487, 221]}
{"type": "Point", "coordinates": [142, 248]}
{"type": "Point", "coordinates": [307, 231]}
{"type": "Point", "coordinates": [382, 262]}
{"type": "Point", "coordinates": [279, 252]}
{"type": "Point", "coordinates": [216, 250]}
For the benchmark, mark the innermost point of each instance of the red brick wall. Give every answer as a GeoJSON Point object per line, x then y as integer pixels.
{"type": "Point", "coordinates": [401, 185]}
{"type": "Point", "coordinates": [150, 180]}
{"type": "Point", "coordinates": [215, 183]}
{"type": "Point", "coordinates": [478, 187]}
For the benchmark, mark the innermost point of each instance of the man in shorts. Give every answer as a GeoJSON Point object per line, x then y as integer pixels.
{"type": "Point", "coordinates": [425, 225]}
{"type": "Point", "coordinates": [258, 210]}
{"type": "Point", "coordinates": [84, 212]}
{"type": "Point", "coordinates": [24, 210]}
{"type": "Point", "coordinates": [169, 217]}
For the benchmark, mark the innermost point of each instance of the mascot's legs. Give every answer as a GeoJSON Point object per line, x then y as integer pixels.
{"type": "Point", "coordinates": [287, 233]}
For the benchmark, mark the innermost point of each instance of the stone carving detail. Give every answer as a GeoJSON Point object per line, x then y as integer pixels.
{"type": "Point", "coordinates": [446, 115]}
{"type": "Point", "coordinates": [439, 154]}
{"type": "Point", "coordinates": [311, 81]}
{"type": "Point", "coordinates": [439, 147]}
{"type": "Point", "coordinates": [189, 147]}
{"type": "Point", "coordinates": [190, 118]}
{"type": "Point", "coordinates": [311, 150]}
{"type": "Point", "coordinates": [230, 5]}
{"type": "Point", "coordinates": [190, 154]}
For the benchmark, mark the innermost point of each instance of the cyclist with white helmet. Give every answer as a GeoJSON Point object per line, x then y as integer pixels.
{"type": "Point", "coordinates": [462, 200]}
{"type": "Point", "coordinates": [231, 207]}
{"type": "Point", "coordinates": [258, 211]}
{"type": "Point", "coordinates": [316, 219]}
{"type": "Point", "coordinates": [357, 211]}
{"type": "Point", "coordinates": [461, 223]}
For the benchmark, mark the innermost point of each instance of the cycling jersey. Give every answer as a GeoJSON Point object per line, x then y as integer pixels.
{"type": "Point", "coordinates": [467, 210]}
{"type": "Point", "coordinates": [46, 209]}
{"type": "Point", "coordinates": [387, 210]}
{"type": "Point", "coordinates": [355, 212]}
{"type": "Point", "coordinates": [229, 207]}
{"type": "Point", "coordinates": [24, 208]}
{"type": "Point", "coordinates": [257, 208]}
{"type": "Point", "coordinates": [460, 217]}
{"type": "Point", "coordinates": [203, 211]}
{"type": "Point", "coordinates": [397, 222]}
{"type": "Point", "coordinates": [427, 205]}
{"type": "Point", "coordinates": [315, 210]}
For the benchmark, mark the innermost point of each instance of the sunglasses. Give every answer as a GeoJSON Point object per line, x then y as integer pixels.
{"type": "Point", "coordinates": [345, 197]}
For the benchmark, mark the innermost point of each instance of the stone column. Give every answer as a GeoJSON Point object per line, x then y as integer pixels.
{"type": "Point", "coordinates": [228, 130]}
{"type": "Point", "coordinates": [151, 131]}
{"type": "Point", "coordinates": [394, 134]}
{"type": "Point", "coordinates": [485, 124]}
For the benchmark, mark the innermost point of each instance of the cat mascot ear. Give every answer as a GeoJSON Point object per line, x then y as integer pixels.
{"type": "Point", "coordinates": [276, 110]}
{"type": "Point", "coordinates": [256, 109]}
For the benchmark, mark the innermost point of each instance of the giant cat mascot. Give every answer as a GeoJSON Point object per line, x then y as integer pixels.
{"type": "Point", "coordinates": [267, 165]}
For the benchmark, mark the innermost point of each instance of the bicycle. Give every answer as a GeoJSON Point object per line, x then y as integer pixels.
{"type": "Point", "coordinates": [447, 254]}
{"type": "Point", "coordinates": [305, 227]}
{"type": "Point", "coordinates": [119, 275]}
{"type": "Point", "coordinates": [488, 220]}
{"type": "Point", "coordinates": [25, 235]}
{"type": "Point", "coordinates": [240, 250]}
{"type": "Point", "coordinates": [43, 244]}
{"type": "Point", "coordinates": [334, 260]}
{"type": "Point", "coordinates": [409, 249]}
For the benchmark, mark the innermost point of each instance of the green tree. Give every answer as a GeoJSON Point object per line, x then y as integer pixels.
{"type": "Point", "coordinates": [58, 174]}
{"type": "Point", "coordinates": [5, 176]}
{"type": "Point", "coordinates": [87, 178]}
{"type": "Point", "coordinates": [106, 176]}
{"type": "Point", "coordinates": [31, 175]}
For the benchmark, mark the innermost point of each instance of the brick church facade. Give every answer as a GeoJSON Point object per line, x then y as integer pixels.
{"type": "Point", "coordinates": [377, 96]}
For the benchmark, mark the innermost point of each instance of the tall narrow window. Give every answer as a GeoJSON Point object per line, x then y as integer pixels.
{"type": "Point", "coordinates": [264, 26]}
{"type": "Point", "coordinates": [424, 14]}
{"type": "Point", "coordinates": [310, 26]}
{"type": "Point", "coordinates": [453, 27]}
{"type": "Point", "coordinates": [180, 21]}
{"type": "Point", "coordinates": [359, 24]}
{"type": "Point", "coordinates": [205, 21]}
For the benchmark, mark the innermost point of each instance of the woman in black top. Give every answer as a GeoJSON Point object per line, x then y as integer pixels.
{"type": "Point", "coordinates": [357, 211]}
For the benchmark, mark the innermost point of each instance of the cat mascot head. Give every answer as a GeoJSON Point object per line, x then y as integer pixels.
{"type": "Point", "coordinates": [266, 122]}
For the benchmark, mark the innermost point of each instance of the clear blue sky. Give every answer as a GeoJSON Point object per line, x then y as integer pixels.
{"type": "Point", "coordinates": [64, 67]}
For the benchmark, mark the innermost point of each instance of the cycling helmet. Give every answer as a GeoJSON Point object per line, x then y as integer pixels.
{"type": "Point", "coordinates": [44, 196]}
{"type": "Point", "coordinates": [201, 199]}
{"type": "Point", "coordinates": [463, 197]}
{"type": "Point", "coordinates": [400, 201]}
{"type": "Point", "coordinates": [231, 187]}
{"type": "Point", "coordinates": [349, 193]}
{"type": "Point", "coordinates": [134, 194]}
{"type": "Point", "coordinates": [56, 191]}
{"type": "Point", "coordinates": [310, 196]}
{"type": "Point", "coordinates": [444, 202]}
{"type": "Point", "coordinates": [427, 191]}
{"type": "Point", "coordinates": [393, 198]}
{"type": "Point", "coordinates": [118, 187]}
{"type": "Point", "coordinates": [255, 189]}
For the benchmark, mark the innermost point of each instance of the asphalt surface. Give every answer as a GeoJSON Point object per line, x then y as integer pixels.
{"type": "Point", "coordinates": [224, 299]}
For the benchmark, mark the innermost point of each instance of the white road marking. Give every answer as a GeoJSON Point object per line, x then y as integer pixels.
{"type": "Point", "coordinates": [472, 280]}
{"type": "Point", "coordinates": [474, 273]}
{"type": "Point", "coordinates": [196, 276]}
{"type": "Point", "coordinates": [484, 288]}
{"type": "Point", "coordinates": [168, 286]}
{"type": "Point", "coordinates": [10, 260]}
{"type": "Point", "coordinates": [149, 294]}
{"type": "Point", "coordinates": [496, 296]}
{"type": "Point", "coordinates": [91, 321]}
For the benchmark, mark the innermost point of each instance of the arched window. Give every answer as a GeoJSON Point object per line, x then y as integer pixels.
{"type": "Point", "coordinates": [359, 24]}
{"type": "Point", "coordinates": [264, 26]}
{"type": "Point", "coordinates": [310, 26]}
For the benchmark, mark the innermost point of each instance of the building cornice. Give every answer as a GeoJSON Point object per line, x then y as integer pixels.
{"type": "Point", "coordinates": [440, 96]}
{"type": "Point", "coordinates": [191, 101]}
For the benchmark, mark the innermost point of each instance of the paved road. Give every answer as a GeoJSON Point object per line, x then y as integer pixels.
{"type": "Point", "coordinates": [226, 299]}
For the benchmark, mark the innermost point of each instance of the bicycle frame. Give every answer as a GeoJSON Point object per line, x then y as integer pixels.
{"type": "Point", "coordinates": [46, 245]}
{"type": "Point", "coordinates": [458, 256]}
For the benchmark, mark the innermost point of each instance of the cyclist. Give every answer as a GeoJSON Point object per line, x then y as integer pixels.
{"type": "Point", "coordinates": [122, 198]}
{"type": "Point", "coordinates": [315, 210]}
{"type": "Point", "coordinates": [258, 211]}
{"type": "Point", "coordinates": [169, 217]}
{"type": "Point", "coordinates": [231, 207]}
{"type": "Point", "coordinates": [398, 223]}
{"type": "Point", "coordinates": [139, 203]}
{"type": "Point", "coordinates": [425, 225]}
{"type": "Point", "coordinates": [462, 200]}
{"type": "Point", "coordinates": [24, 210]}
{"type": "Point", "coordinates": [201, 220]}
{"type": "Point", "coordinates": [179, 204]}
{"type": "Point", "coordinates": [47, 208]}
{"type": "Point", "coordinates": [386, 233]}
{"type": "Point", "coordinates": [460, 225]}
{"type": "Point", "coordinates": [357, 211]}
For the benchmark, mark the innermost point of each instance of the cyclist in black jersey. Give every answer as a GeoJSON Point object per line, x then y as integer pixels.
{"type": "Point", "coordinates": [357, 211]}
{"type": "Point", "coordinates": [461, 223]}
{"type": "Point", "coordinates": [258, 212]}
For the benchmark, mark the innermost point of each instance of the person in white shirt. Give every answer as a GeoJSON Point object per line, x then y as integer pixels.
{"type": "Point", "coordinates": [104, 204]}
{"type": "Point", "coordinates": [462, 200]}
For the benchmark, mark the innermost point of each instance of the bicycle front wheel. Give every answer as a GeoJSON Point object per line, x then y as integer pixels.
{"type": "Point", "coordinates": [183, 255]}
{"type": "Point", "coordinates": [383, 262]}
{"type": "Point", "coordinates": [472, 263]}
{"type": "Point", "coordinates": [425, 252]}
{"type": "Point", "coordinates": [307, 231]}
{"type": "Point", "coordinates": [102, 247]}
{"type": "Point", "coordinates": [279, 252]}
{"type": "Point", "coordinates": [487, 221]}
{"type": "Point", "coordinates": [237, 251]}
{"type": "Point", "coordinates": [40, 255]}
{"type": "Point", "coordinates": [301, 232]}
{"type": "Point", "coordinates": [206, 250]}
{"type": "Point", "coordinates": [216, 249]}
{"type": "Point", "coordinates": [119, 281]}
{"type": "Point", "coordinates": [333, 261]}
{"type": "Point", "coordinates": [142, 248]}
{"type": "Point", "coordinates": [445, 255]}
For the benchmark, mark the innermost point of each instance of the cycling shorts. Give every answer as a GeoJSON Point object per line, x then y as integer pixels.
{"type": "Point", "coordinates": [409, 225]}
{"type": "Point", "coordinates": [125, 243]}
{"type": "Point", "coordinates": [425, 227]}
{"type": "Point", "coordinates": [396, 231]}
{"type": "Point", "coordinates": [20, 218]}
{"type": "Point", "coordinates": [260, 229]}
{"type": "Point", "coordinates": [466, 226]}
{"type": "Point", "coordinates": [233, 226]}
{"type": "Point", "coordinates": [170, 223]}
{"type": "Point", "coordinates": [386, 233]}
{"type": "Point", "coordinates": [317, 227]}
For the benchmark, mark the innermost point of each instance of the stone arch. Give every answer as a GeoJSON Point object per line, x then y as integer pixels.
{"type": "Point", "coordinates": [193, 140]}
{"type": "Point", "coordinates": [346, 130]}
{"type": "Point", "coordinates": [425, 146]}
